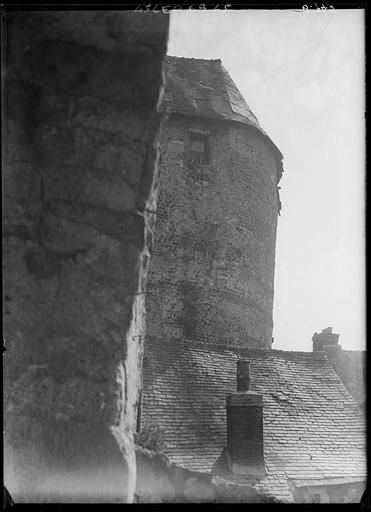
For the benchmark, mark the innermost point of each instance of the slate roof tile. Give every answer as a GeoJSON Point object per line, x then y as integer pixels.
{"type": "Point", "coordinates": [312, 426]}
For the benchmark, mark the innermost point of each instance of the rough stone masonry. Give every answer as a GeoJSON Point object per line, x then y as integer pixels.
{"type": "Point", "coordinates": [80, 126]}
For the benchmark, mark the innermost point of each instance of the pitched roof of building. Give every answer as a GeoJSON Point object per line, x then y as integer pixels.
{"type": "Point", "coordinates": [350, 365]}
{"type": "Point", "coordinates": [203, 88]}
{"type": "Point", "coordinates": [313, 429]}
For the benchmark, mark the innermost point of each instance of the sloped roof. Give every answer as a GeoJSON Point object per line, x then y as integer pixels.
{"type": "Point", "coordinates": [312, 426]}
{"type": "Point", "coordinates": [350, 365]}
{"type": "Point", "coordinates": [203, 88]}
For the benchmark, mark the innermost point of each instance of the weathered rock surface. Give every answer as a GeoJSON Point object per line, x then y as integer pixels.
{"type": "Point", "coordinates": [81, 124]}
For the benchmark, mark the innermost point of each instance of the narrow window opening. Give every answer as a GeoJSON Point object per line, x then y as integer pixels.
{"type": "Point", "coordinates": [199, 148]}
{"type": "Point", "coordinates": [221, 279]}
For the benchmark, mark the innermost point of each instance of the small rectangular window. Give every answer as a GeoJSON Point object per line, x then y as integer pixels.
{"type": "Point", "coordinates": [221, 279]}
{"type": "Point", "coordinates": [199, 148]}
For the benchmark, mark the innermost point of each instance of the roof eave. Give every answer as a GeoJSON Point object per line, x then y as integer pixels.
{"type": "Point", "coordinates": [303, 482]}
{"type": "Point", "coordinates": [245, 122]}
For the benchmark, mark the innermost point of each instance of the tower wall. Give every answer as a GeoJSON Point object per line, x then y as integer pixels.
{"type": "Point", "coordinates": [212, 266]}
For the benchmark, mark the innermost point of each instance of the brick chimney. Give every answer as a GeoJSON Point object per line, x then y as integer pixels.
{"type": "Point", "coordinates": [245, 449]}
{"type": "Point", "coordinates": [327, 341]}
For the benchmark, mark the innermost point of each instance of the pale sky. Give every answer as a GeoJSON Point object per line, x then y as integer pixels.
{"type": "Point", "coordinates": [302, 74]}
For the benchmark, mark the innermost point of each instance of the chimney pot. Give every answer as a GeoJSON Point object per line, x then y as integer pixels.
{"type": "Point", "coordinates": [324, 339]}
{"type": "Point", "coordinates": [243, 375]}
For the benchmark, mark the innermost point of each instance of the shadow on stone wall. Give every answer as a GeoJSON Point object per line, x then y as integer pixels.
{"type": "Point", "coordinates": [80, 122]}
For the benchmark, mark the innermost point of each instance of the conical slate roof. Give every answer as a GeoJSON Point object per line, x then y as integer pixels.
{"type": "Point", "coordinates": [203, 88]}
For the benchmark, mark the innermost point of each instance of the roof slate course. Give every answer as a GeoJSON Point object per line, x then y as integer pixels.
{"type": "Point", "coordinates": [199, 85]}
{"type": "Point", "coordinates": [313, 428]}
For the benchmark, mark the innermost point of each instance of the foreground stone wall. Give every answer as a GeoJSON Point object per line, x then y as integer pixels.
{"type": "Point", "coordinates": [81, 124]}
{"type": "Point", "coordinates": [212, 272]}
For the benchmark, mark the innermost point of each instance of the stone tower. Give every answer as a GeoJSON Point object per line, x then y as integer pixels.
{"type": "Point", "coordinates": [212, 267]}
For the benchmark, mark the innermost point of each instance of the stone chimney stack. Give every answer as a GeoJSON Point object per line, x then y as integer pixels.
{"type": "Point", "coordinates": [327, 341]}
{"type": "Point", "coordinates": [245, 449]}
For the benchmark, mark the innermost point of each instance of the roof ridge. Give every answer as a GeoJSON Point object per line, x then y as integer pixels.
{"type": "Point", "coordinates": [192, 58]}
{"type": "Point", "coordinates": [188, 342]}
{"type": "Point", "coordinates": [356, 351]}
